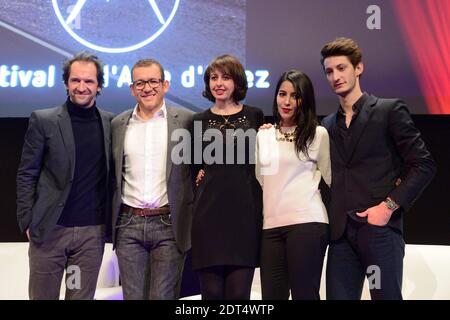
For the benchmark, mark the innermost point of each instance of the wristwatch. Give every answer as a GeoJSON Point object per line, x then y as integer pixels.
{"type": "Point", "coordinates": [391, 204]}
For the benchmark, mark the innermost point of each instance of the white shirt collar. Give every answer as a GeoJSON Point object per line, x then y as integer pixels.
{"type": "Point", "coordinates": [161, 113]}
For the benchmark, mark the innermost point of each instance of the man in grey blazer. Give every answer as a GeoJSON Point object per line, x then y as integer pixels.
{"type": "Point", "coordinates": [63, 186]}
{"type": "Point", "coordinates": [152, 205]}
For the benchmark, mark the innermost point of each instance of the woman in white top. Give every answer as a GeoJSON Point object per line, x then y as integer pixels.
{"type": "Point", "coordinates": [292, 157]}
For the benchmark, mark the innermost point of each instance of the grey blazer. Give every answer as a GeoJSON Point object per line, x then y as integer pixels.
{"type": "Point", "coordinates": [46, 169]}
{"type": "Point", "coordinates": [178, 176]}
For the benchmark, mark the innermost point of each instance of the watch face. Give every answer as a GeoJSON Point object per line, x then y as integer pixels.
{"type": "Point", "coordinates": [115, 26]}
{"type": "Point", "coordinates": [390, 204]}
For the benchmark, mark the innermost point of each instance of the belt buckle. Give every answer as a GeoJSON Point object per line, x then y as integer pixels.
{"type": "Point", "coordinates": [140, 212]}
{"type": "Point", "coordinates": [148, 212]}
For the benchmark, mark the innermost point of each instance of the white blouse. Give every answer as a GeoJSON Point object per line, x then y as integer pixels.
{"type": "Point", "coordinates": [290, 182]}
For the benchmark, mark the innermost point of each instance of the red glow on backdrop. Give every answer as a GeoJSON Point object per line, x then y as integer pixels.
{"type": "Point", "coordinates": [426, 28]}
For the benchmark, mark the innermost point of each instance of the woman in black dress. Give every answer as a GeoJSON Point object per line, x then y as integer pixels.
{"type": "Point", "coordinates": [227, 223]}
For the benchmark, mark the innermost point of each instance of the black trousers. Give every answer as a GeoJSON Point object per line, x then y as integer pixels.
{"type": "Point", "coordinates": [365, 250]}
{"type": "Point", "coordinates": [291, 261]}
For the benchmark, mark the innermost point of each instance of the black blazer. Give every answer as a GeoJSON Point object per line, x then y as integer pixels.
{"type": "Point", "coordinates": [385, 146]}
{"type": "Point", "coordinates": [47, 167]}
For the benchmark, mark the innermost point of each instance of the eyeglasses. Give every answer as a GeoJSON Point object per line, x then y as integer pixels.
{"type": "Point", "coordinates": [140, 84]}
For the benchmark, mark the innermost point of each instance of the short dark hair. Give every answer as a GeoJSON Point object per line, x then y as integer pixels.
{"type": "Point", "coordinates": [342, 47]}
{"type": "Point", "coordinates": [86, 57]}
{"type": "Point", "coordinates": [305, 117]}
{"type": "Point", "coordinates": [147, 63]}
{"type": "Point", "coordinates": [230, 65]}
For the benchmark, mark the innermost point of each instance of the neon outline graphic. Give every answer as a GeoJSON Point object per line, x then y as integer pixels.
{"type": "Point", "coordinates": [88, 44]}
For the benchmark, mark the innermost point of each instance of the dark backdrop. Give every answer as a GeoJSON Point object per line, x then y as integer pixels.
{"type": "Point", "coordinates": [428, 222]}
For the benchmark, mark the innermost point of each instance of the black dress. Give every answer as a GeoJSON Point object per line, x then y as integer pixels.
{"type": "Point", "coordinates": [227, 222]}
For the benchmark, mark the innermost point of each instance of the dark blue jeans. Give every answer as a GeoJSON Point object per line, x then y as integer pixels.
{"type": "Point", "coordinates": [366, 250]}
{"type": "Point", "coordinates": [150, 263]}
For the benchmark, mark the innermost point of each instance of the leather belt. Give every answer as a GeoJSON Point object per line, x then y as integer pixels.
{"type": "Point", "coordinates": [145, 212]}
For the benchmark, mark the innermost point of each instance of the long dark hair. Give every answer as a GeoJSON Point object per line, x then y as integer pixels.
{"type": "Point", "coordinates": [305, 114]}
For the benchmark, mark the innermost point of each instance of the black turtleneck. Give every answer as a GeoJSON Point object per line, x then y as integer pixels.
{"type": "Point", "coordinates": [86, 202]}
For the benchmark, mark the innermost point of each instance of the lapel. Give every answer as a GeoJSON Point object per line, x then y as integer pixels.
{"type": "Point", "coordinates": [65, 127]}
{"type": "Point", "coordinates": [106, 126]}
{"type": "Point", "coordinates": [120, 138]}
{"type": "Point", "coordinates": [334, 134]}
{"type": "Point", "coordinates": [360, 125]}
{"type": "Point", "coordinates": [172, 124]}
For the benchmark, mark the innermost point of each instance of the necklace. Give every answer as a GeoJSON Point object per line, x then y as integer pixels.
{"type": "Point", "coordinates": [226, 124]}
{"type": "Point", "coordinates": [285, 136]}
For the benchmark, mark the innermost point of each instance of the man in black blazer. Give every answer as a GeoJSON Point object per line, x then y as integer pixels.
{"type": "Point", "coordinates": [380, 166]}
{"type": "Point", "coordinates": [63, 186]}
